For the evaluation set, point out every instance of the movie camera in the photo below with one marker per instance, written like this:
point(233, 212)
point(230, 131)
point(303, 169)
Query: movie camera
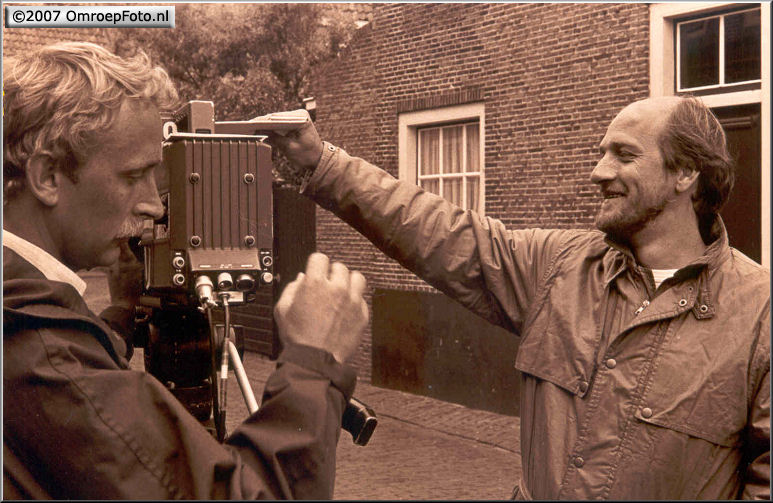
point(213, 249)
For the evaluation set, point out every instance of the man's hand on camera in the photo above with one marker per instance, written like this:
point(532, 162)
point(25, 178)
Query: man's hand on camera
point(301, 146)
point(124, 279)
point(324, 308)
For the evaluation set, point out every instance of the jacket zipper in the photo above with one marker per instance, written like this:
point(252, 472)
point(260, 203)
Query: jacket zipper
point(641, 308)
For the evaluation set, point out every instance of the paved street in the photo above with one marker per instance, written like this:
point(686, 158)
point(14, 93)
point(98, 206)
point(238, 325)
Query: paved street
point(422, 448)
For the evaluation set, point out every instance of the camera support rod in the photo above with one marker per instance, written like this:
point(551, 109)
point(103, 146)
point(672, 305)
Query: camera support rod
point(224, 359)
point(206, 294)
point(241, 378)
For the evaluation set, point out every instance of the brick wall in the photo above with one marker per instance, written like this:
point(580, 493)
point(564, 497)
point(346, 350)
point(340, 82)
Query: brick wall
point(18, 41)
point(551, 76)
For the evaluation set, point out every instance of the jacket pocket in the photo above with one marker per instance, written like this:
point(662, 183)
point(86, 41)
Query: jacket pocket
point(699, 384)
point(554, 357)
point(722, 434)
point(560, 344)
point(666, 457)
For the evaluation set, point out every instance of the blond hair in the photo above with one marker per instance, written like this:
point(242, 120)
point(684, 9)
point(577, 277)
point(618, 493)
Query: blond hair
point(58, 100)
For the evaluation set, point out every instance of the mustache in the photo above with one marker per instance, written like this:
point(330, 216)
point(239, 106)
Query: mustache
point(131, 227)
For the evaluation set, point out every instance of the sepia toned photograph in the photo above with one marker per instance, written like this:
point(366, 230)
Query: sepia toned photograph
point(386, 251)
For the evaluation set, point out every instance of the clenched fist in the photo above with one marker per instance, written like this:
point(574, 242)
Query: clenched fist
point(324, 308)
point(301, 146)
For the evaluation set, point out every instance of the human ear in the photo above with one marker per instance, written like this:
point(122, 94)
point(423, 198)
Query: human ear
point(686, 178)
point(43, 179)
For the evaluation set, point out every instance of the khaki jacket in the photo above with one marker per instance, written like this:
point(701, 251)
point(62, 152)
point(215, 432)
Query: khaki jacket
point(79, 424)
point(628, 392)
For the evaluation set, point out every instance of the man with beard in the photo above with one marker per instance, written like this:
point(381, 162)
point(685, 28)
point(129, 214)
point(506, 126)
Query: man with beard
point(82, 138)
point(644, 352)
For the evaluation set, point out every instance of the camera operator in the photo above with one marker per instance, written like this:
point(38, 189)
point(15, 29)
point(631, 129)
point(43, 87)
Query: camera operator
point(82, 138)
point(645, 347)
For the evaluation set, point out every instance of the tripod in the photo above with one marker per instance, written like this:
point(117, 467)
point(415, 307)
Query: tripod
point(185, 348)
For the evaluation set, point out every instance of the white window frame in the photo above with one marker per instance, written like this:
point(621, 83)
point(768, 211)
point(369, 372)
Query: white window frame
point(663, 17)
point(721, 55)
point(408, 124)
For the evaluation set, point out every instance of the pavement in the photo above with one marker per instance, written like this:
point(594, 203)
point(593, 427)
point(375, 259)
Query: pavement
point(422, 448)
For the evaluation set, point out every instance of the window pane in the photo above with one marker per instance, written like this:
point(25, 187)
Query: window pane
point(452, 149)
point(452, 190)
point(742, 47)
point(443, 171)
point(431, 185)
point(699, 53)
point(473, 147)
point(429, 143)
point(473, 191)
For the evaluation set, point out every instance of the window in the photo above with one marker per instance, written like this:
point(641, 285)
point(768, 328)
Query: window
point(718, 51)
point(448, 163)
point(441, 150)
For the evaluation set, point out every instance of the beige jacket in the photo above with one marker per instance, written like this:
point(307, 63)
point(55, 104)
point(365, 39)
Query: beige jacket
point(628, 392)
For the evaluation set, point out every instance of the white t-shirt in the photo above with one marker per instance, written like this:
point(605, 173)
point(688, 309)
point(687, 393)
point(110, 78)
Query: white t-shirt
point(660, 275)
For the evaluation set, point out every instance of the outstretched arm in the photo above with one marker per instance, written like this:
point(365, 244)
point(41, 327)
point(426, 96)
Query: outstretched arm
point(473, 259)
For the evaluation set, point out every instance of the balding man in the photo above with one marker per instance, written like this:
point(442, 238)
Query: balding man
point(644, 350)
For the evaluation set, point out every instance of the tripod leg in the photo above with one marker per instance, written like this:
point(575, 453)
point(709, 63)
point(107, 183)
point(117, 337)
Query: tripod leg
point(358, 418)
point(241, 378)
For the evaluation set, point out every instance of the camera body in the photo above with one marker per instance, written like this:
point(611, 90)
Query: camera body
point(212, 248)
point(217, 231)
point(217, 189)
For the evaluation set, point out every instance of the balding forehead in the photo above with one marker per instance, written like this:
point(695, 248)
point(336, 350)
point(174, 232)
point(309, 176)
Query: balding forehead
point(650, 114)
point(658, 104)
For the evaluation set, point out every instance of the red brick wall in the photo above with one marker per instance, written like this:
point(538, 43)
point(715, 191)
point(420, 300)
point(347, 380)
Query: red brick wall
point(551, 76)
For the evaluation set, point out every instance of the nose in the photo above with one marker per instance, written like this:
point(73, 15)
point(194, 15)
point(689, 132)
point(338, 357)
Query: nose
point(603, 172)
point(150, 205)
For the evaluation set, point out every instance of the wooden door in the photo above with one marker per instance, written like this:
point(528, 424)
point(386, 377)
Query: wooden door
point(742, 214)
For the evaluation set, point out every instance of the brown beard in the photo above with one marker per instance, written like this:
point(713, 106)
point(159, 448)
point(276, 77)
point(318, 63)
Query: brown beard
point(624, 227)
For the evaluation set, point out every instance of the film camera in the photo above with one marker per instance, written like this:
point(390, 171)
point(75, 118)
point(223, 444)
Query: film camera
point(213, 249)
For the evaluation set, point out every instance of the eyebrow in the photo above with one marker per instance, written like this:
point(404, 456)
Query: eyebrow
point(617, 146)
point(145, 167)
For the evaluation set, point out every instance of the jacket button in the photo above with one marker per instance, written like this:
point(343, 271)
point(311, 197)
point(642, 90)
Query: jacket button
point(611, 363)
point(583, 386)
point(646, 412)
point(578, 462)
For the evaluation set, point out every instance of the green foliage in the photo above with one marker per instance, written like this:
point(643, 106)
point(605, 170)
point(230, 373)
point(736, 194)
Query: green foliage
point(249, 59)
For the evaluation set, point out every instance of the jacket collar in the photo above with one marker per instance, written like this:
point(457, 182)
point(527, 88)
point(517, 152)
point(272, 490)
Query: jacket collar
point(32, 299)
point(619, 256)
point(24, 285)
point(43, 261)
